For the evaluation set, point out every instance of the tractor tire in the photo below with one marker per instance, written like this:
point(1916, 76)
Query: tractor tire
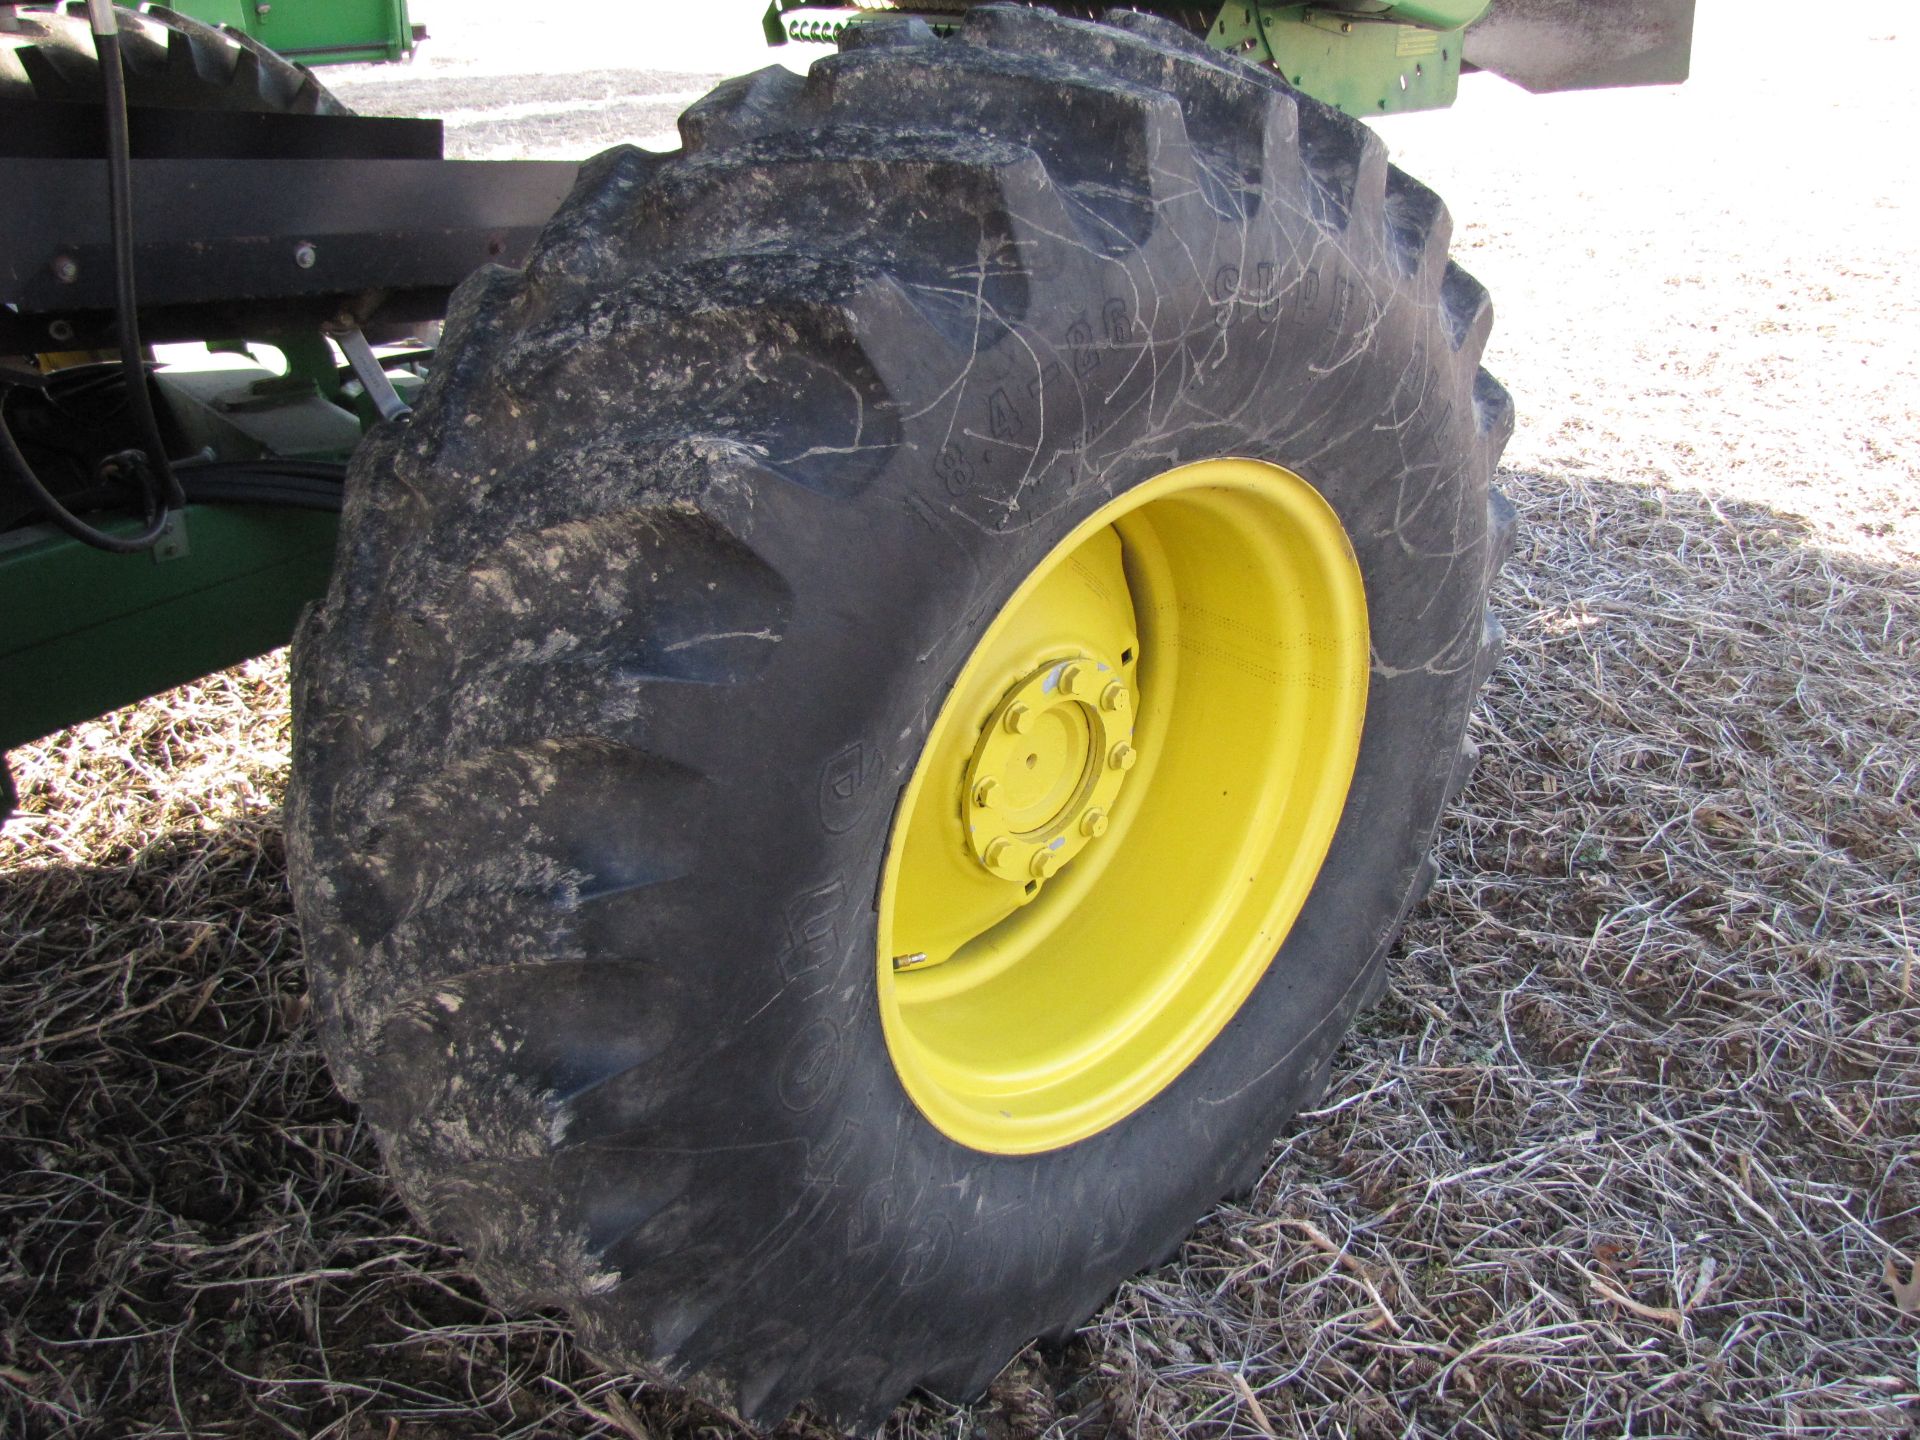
point(1051, 400)
point(170, 60)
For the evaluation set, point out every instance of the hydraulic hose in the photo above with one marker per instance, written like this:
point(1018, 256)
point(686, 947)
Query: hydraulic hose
point(152, 463)
point(299, 484)
point(106, 31)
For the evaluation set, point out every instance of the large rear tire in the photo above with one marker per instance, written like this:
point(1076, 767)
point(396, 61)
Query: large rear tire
point(641, 736)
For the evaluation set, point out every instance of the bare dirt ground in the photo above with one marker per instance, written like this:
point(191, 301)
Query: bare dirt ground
point(1631, 1148)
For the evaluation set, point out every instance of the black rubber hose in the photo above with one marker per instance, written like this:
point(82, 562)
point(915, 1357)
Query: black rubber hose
point(125, 306)
point(331, 470)
point(120, 211)
point(64, 519)
point(301, 485)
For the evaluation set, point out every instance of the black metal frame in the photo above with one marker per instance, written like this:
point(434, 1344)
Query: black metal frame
point(249, 225)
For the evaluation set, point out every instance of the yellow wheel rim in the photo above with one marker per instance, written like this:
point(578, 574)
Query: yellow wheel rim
point(1122, 806)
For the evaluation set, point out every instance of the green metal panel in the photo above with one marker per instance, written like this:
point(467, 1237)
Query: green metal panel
point(87, 632)
point(218, 12)
point(1360, 64)
point(318, 32)
point(242, 412)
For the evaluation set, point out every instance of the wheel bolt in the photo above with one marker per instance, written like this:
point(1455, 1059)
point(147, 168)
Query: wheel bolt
point(1019, 719)
point(995, 852)
point(1114, 697)
point(1122, 757)
point(1045, 865)
point(1093, 824)
point(985, 792)
point(1070, 679)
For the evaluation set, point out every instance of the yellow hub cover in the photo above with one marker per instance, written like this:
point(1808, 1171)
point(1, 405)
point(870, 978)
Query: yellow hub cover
point(1122, 806)
point(1049, 765)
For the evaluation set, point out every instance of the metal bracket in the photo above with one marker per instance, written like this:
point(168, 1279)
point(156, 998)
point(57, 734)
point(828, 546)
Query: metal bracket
point(172, 544)
point(366, 369)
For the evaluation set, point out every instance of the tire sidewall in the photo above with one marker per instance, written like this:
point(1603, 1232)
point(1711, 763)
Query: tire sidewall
point(896, 1209)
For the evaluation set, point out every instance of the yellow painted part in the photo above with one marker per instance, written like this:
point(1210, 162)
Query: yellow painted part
point(52, 360)
point(1023, 1014)
point(1045, 768)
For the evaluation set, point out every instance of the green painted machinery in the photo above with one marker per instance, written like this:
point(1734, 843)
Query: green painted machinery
point(316, 32)
point(1366, 59)
point(1377, 57)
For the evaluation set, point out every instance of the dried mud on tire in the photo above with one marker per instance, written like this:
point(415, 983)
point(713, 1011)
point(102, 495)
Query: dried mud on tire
point(638, 622)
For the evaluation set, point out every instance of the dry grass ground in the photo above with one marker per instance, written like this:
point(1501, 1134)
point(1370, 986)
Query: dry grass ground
point(1630, 1149)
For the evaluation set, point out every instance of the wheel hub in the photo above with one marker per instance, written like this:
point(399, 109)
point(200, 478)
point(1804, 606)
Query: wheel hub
point(1050, 762)
point(1121, 805)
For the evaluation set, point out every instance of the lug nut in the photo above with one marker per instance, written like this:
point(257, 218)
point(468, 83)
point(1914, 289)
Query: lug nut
point(1071, 678)
point(995, 852)
point(1122, 757)
point(1019, 719)
point(1114, 697)
point(1093, 824)
point(304, 255)
point(66, 269)
point(985, 792)
point(1045, 865)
